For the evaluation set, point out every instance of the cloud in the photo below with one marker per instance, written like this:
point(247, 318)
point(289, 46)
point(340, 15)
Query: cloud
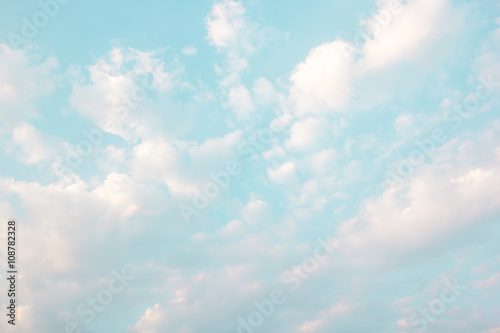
point(318, 178)
point(240, 100)
point(435, 205)
point(326, 315)
point(204, 295)
point(323, 161)
point(493, 330)
point(183, 166)
point(335, 73)
point(311, 133)
point(493, 281)
point(322, 82)
point(189, 50)
point(417, 27)
point(237, 38)
point(265, 94)
point(35, 146)
point(226, 24)
point(285, 173)
point(23, 80)
point(149, 320)
point(120, 89)
point(256, 212)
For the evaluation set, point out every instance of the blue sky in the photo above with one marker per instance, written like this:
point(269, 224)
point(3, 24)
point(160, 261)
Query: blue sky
point(252, 166)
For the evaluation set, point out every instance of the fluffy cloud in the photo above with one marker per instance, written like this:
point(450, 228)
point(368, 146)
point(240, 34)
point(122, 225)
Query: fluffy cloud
point(121, 84)
point(209, 296)
point(322, 82)
point(226, 24)
point(35, 146)
point(413, 30)
point(438, 202)
point(23, 79)
point(183, 165)
point(240, 100)
point(71, 215)
point(237, 38)
point(311, 133)
point(334, 73)
point(189, 50)
point(285, 173)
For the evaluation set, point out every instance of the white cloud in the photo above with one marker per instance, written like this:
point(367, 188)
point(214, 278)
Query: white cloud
point(36, 147)
point(487, 64)
point(212, 152)
point(265, 94)
point(335, 73)
point(184, 166)
point(436, 204)
point(494, 330)
point(237, 38)
point(161, 161)
point(283, 174)
point(324, 317)
point(189, 50)
point(226, 23)
point(311, 326)
point(116, 98)
point(411, 33)
point(211, 296)
point(256, 211)
point(23, 78)
point(231, 31)
point(323, 162)
point(120, 192)
point(493, 281)
point(404, 122)
point(311, 133)
point(149, 320)
point(240, 100)
point(322, 81)
point(113, 158)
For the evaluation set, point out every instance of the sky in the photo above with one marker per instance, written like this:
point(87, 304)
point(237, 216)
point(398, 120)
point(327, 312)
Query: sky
point(251, 166)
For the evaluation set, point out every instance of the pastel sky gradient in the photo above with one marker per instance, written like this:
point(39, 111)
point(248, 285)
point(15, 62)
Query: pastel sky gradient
point(385, 147)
